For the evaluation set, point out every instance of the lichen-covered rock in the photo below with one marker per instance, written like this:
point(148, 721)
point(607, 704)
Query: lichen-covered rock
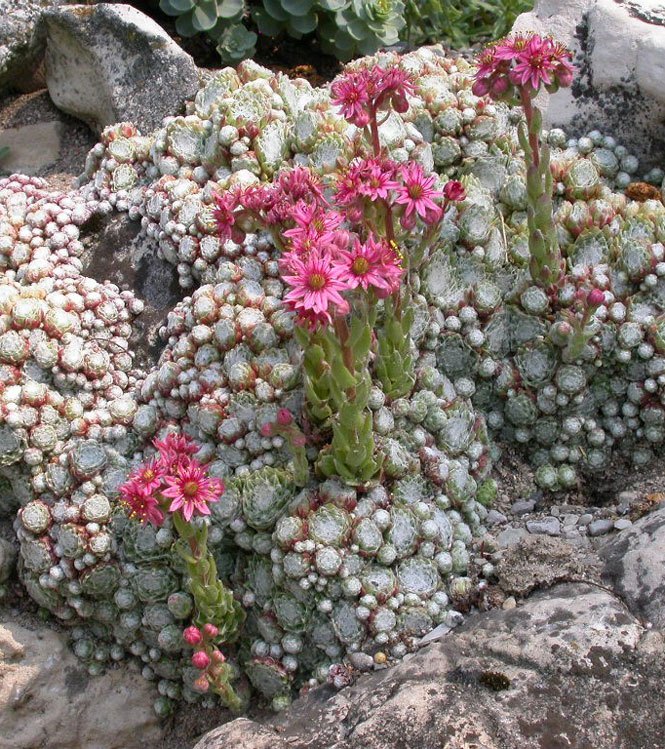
point(635, 564)
point(538, 674)
point(106, 63)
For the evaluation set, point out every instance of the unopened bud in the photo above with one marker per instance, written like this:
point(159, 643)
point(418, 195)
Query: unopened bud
point(200, 659)
point(192, 636)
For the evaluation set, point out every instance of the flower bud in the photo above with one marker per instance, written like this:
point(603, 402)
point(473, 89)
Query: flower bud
point(266, 429)
point(200, 659)
point(192, 636)
point(218, 656)
point(595, 298)
point(454, 190)
point(284, 417)
point(210, 630)
point(480, 87)
point(201, 684)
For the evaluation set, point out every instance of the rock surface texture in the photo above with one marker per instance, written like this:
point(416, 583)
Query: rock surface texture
point(22, 41)
point(571, 667)
point(619, 50)
point(108, 63)
point(48, 700)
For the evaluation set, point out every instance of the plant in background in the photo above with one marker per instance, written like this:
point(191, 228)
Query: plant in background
point(177, 485)
point(343, 259)
point(513, 70)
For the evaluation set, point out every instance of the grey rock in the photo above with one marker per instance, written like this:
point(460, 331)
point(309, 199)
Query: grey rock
point(569, 533)
point(362, 661)
point(491, 685)
point(555, 512)
point(108, 63)
point(547, 526)
point(628, 497)
point(601, 526)
point(7, 559)
point(585, 519)
point(619, 49)
point(22, 42)
point(523, 506)
point(436, 634)
point(48, 699)
point(622, 524)
point(570, 519)
point(509, 536)
point(23, 157)
point(635, 564)
point(494, 517)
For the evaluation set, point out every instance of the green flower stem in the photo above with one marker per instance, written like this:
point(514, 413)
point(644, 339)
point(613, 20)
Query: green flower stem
point(213, 601)
point(546, 264)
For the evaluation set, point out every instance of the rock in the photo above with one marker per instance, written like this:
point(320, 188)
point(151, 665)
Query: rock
point(362, 661)
point(547, 526)
point(509, 603)
point(523, 506)
point(622, 524)
point(539, 561)
point(635, 565)
point(509, 536)
point(550, 673)
point(107, 63)
point(585, 519)
point(570, 519)
point(436, 634)
point(22, 43)
point(620, 57)
point(7, 559)
point(601, 526)
point(23, 157)
point(494, 517)
point(48, 699)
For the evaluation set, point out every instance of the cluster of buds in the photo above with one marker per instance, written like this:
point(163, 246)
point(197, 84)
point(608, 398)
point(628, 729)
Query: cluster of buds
point(285, 427)
point(207, 657)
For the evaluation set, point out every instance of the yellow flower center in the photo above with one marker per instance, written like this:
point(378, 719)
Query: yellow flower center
point(317, 281)
point(190, 488)
point(360, 266)
point(148, 474)
point(416, 191)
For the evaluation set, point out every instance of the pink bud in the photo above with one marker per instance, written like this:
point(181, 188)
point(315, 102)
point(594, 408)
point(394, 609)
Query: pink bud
point(454, 190)
point(500, 86)
point(200, 659)
point(595, 298)
point(284, 417)
point(201, 684)
point(218, 656)
point(210, 630)
point(192, 636)
point(361, 119)
point(564, 77)
point(266, 429)
point(299, 440)
point(480, 87)
point(400, 104)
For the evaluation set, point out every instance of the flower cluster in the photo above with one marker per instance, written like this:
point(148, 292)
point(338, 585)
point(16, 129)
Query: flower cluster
point(173, 482)
point(362, 93)
point(207, 658)
point(524, 62)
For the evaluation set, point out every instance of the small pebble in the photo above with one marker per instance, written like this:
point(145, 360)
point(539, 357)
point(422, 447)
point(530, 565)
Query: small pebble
point(622, 524)
point(570, 519)
point(600, 527)
point(585, 519)
point(362, 661)
point(555, 512)
point(523, 506)
point(494, 517)
point(569, 533)
point(628, 496)
point(509, 536)
point(509, 603)
point(547, 526)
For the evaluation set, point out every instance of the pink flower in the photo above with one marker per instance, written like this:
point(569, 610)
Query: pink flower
point(191, 490)
point(487, 62)
point(224, 213)
point(534, 64)
point(141, 504)
point(417, 193)
point(316, 286)
point(454, 191)
point(192, 635)
point(371, 264)
point(511, 47)
point(149, 476)
point(394, 84)
point(350, 93)
point(210, 630)
point(173, 448)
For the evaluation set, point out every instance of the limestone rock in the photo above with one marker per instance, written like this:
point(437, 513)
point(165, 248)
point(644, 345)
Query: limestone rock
point(635, 564)
point(108, 63)
point(551, 673)
point(619, 48)
point(48, 699)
